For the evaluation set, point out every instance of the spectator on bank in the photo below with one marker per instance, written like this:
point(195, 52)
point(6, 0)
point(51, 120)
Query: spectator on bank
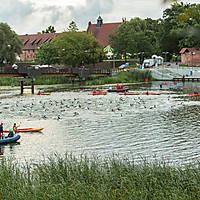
point(1, 131)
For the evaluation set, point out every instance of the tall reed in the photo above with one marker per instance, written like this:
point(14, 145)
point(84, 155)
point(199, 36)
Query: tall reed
point(123, 77)
point(69, 177)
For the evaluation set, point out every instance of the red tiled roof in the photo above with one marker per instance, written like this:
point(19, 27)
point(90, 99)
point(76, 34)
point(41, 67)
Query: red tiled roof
point(183, 50)
point(34, 40)
point(102, 33)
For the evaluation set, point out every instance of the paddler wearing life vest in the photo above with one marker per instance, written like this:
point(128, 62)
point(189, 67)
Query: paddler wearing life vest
point(15, 127)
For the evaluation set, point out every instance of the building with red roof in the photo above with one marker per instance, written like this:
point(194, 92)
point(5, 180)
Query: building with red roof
point(190, 56)
point(32, 42)
point(102, 31)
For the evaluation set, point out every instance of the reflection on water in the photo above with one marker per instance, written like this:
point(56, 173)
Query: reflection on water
point(165, 126)
point(1, 150)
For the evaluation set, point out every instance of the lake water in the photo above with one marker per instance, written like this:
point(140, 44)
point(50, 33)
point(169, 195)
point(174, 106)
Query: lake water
point(162, 126)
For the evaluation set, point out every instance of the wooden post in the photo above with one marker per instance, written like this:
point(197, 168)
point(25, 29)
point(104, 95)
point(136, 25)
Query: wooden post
point(32, 86)
point(22, 87)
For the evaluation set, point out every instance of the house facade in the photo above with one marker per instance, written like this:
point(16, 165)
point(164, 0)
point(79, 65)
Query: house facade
point(32, 42)
point(190, 56)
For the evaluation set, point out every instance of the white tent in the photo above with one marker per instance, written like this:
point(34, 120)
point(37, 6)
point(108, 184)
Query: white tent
point(159, 59)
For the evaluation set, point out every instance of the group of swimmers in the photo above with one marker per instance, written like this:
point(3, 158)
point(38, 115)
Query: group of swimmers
point(11, 131)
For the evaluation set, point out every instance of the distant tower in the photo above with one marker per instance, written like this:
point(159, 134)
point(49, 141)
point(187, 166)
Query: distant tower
point(99, 22)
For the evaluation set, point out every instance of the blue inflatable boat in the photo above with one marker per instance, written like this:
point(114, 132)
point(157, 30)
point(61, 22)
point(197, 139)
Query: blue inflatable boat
point(7, 140)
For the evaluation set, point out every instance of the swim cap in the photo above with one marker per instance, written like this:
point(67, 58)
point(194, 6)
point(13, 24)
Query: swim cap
point(10, 130)
point(1, 123)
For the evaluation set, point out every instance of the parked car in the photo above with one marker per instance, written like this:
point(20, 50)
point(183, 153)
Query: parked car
point(126, 65)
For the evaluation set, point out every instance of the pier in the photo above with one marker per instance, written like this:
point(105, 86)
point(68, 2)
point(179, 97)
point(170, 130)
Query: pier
point(187, 79)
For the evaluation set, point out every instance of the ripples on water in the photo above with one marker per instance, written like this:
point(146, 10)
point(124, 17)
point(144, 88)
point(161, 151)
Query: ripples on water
point(165, 126)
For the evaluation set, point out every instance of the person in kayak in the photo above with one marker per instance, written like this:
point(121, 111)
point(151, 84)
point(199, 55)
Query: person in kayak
point(1, 131)
point(10, 134)
point(39, 92)
point(15, 127)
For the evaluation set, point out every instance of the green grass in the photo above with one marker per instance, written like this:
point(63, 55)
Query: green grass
point(43, 80)
point(181, 65)
point(46, 80)
point(133, 76)
point(9, 81)
point(123, 77)
point(112, 178)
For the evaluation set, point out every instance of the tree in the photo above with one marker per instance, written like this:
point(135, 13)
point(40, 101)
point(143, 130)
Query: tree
point(78, 48)
point(72, 27)
point(134, 37)
point(47, 54)
point(10, 45)
point(72, 48)
point(50, 29)
point(189, 22)
point(181, 27)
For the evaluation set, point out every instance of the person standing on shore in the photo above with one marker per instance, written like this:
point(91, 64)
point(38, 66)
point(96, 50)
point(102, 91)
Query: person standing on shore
point(1, 131)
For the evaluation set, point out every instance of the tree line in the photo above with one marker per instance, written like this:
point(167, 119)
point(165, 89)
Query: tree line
point(179, 27)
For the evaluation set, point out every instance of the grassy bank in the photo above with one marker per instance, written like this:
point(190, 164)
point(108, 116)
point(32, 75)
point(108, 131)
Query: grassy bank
point(43, 80)
point(113, 178)
point(123, 77)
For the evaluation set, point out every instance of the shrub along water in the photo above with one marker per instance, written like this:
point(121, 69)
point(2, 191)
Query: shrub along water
point(68, 177)
point(123, 77)
point(43, 80)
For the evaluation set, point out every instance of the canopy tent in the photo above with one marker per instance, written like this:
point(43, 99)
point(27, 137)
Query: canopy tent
point(108, 49)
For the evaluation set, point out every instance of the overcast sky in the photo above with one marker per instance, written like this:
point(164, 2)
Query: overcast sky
point(32, 16)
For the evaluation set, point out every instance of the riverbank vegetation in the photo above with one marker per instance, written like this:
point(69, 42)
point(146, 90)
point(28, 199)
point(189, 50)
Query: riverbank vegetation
point(133, 76)
point(68, 177)
point(43, 80)
point(123, 77)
